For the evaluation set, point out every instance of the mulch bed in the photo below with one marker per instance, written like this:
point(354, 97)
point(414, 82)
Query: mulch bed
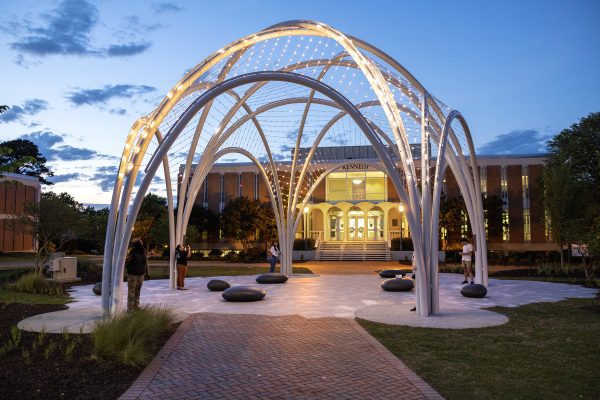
point(55, 366)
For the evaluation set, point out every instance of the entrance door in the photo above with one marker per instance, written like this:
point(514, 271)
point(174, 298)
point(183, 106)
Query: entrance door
point(372, 223)
point(356, 228)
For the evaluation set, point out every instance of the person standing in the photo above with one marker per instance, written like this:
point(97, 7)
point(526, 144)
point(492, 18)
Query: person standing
point(136, 265)
point(467, 257)
point(181, 256)
point(274, 254)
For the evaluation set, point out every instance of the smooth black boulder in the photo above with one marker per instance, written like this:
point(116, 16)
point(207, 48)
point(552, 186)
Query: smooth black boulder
point(397, 285)
point(217, 285)
point(97, 289)
point(244, 294)
point(391, 273)
point(474, 290)
point(272, 277)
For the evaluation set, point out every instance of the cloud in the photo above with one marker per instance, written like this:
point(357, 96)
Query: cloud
point(166, 7)
point(67, 30)
point(51, 146)
point(105, 177)
point(519, 141)
point(66, 177)
point(121, 50)
point(102, 96)
point(29, 107)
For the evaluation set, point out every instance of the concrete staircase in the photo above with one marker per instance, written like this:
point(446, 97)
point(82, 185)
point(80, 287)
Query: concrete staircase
point(353, 251)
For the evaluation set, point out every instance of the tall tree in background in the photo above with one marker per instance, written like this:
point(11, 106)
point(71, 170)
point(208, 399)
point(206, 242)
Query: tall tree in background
point(53, 222)
point(571, 182)
point(206, 223)
point(151, 224)
point(23, 157)
point(239, 219)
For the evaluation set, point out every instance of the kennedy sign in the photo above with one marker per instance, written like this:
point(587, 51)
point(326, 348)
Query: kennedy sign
point(355, 166)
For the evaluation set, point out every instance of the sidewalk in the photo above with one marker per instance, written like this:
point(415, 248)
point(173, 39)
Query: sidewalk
point(214, 356)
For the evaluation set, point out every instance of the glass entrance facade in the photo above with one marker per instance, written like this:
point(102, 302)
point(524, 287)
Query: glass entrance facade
point(356, 186)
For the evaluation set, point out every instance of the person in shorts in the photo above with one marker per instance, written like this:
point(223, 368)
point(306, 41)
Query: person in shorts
point(466, 260)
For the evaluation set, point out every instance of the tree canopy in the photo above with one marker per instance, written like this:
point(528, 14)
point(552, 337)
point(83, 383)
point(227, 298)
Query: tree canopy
point(571, 183)
point(23, 157)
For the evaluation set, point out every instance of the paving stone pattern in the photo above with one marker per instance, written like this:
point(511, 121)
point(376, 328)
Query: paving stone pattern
point(217, 356)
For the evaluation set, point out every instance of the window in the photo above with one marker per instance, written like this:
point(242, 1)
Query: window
point(483, 180)
point(356, 186)
point(526, 204)
point(504, 196)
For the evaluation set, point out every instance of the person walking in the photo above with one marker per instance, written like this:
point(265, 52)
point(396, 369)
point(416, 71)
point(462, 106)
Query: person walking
point(466, 260)
point(181, 257)
point(136, 265)
point(274, 254)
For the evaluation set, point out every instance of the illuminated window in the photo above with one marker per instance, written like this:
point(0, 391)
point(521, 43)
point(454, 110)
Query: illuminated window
point(547, 227)
point(526, 204)
point(464, 226)
point(504, 196)
point(356, 186)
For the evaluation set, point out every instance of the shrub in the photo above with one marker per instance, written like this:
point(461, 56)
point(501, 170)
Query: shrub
point(215, 253)
point(89, 271)
point(36, 284)
point(133, 338)
point(407, 244)
point(304, 244)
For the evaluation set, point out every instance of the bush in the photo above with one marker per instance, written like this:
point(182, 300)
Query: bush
point(407, 244)
point(89, 271)
point(304, 244)
point(36, 284)
point(215, 253)
point(133, 338)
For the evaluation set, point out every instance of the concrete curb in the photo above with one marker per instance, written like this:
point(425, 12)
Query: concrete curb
point(142, 382)
point(428, 391)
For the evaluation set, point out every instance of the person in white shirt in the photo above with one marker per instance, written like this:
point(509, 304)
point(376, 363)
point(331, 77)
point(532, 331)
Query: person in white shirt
point(274, 254)
point(467, 256)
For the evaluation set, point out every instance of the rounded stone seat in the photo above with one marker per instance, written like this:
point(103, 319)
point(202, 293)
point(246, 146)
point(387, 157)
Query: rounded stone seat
point(474, 290)
point(272, 277)
point(243, 294)
point(397, 285)
point(391, 273)
point(97, 289)
point(217, 285)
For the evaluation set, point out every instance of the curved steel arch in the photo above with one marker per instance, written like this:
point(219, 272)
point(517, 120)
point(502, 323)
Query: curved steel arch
point(417, 202)
point(196, 106)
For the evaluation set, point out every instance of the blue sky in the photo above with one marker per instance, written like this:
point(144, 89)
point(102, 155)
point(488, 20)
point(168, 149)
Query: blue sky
point(77, 74)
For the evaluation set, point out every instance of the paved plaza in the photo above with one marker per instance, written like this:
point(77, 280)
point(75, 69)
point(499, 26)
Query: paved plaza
point(321, 296)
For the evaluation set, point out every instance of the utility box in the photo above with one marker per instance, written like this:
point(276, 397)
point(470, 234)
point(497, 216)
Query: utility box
point(63, 268)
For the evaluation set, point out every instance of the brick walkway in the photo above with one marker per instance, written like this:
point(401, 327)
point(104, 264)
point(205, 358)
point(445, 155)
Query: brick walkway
point(218, 356)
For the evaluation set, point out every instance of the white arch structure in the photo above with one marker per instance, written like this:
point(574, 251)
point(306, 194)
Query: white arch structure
point(221, 107)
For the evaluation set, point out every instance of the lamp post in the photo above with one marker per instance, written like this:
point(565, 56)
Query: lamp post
point(401, 209)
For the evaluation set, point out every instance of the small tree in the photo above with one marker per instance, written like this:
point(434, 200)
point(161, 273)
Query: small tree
point(239, 219)
point(52, 222)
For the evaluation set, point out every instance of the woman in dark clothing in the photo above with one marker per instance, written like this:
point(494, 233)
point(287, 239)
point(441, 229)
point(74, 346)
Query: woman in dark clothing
point(137, 266)
point(181, 256)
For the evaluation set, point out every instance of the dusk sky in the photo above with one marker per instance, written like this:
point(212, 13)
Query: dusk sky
point(77, 74)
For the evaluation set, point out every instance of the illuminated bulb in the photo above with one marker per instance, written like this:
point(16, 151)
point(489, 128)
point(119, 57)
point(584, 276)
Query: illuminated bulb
point(129, 167)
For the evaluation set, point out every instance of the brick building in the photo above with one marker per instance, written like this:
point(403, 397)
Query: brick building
point(357, 202)
point(15, 192)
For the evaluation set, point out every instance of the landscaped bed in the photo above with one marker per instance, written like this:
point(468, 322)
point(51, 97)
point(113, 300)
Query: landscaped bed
point(54, 366)
point(545, 351)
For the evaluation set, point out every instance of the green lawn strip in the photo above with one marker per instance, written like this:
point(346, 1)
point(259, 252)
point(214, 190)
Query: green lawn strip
point(8, 296)
point(545, 351)
point(162, 272)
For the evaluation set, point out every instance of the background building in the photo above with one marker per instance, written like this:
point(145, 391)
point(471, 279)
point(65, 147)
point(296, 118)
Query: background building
point(15, 192)
point(357, 203)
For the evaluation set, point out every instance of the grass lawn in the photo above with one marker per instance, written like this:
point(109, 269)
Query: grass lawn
point(162, 272)
point(545, 351)
point(10, 297)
